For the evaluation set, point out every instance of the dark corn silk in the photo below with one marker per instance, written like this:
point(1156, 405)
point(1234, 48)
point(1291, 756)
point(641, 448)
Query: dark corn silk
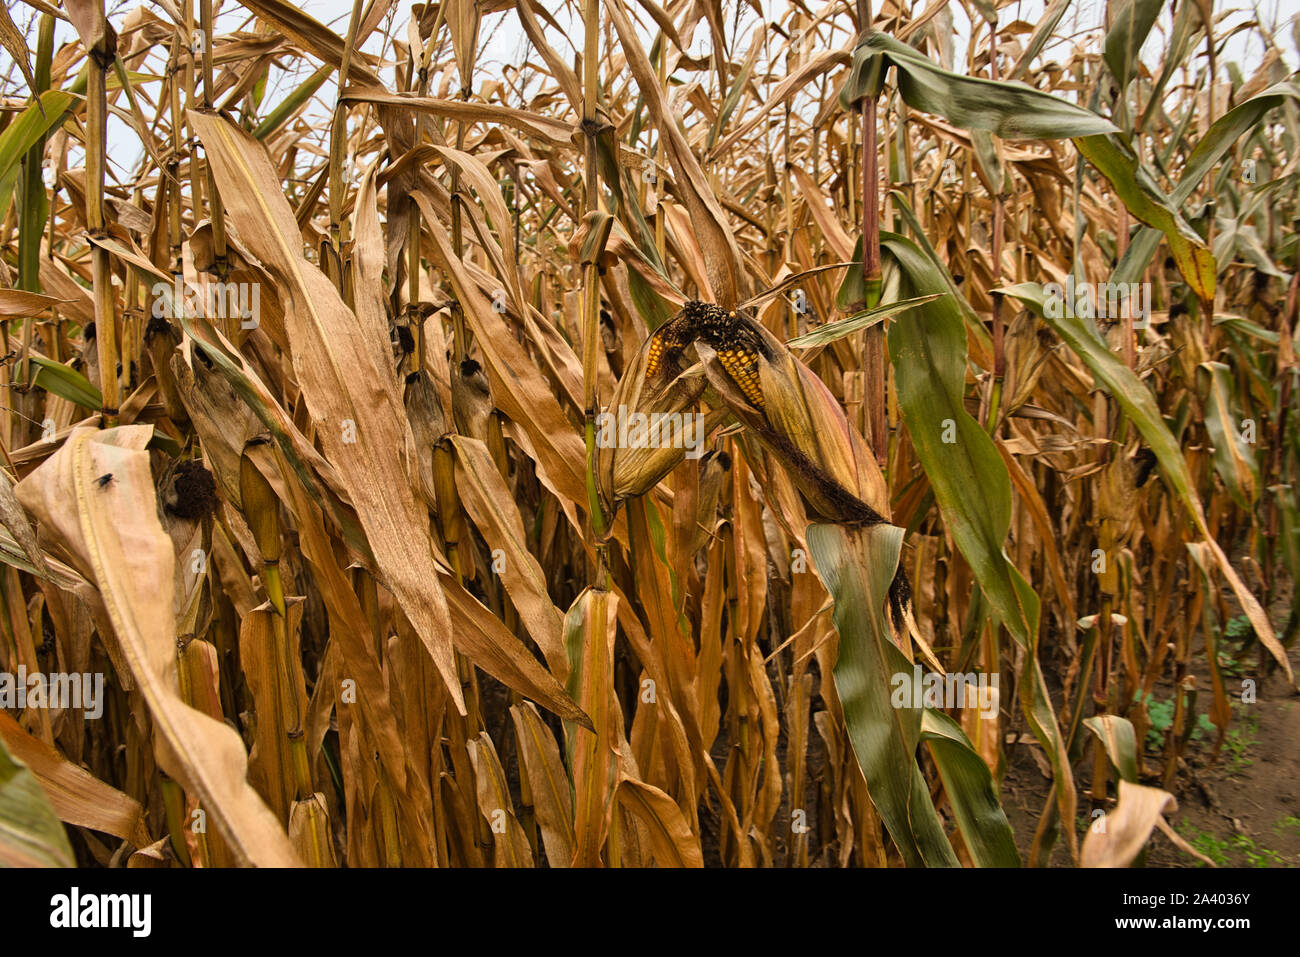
point(738, 344)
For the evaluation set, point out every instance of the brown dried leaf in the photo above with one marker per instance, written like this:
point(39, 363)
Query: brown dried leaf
point(96, 495)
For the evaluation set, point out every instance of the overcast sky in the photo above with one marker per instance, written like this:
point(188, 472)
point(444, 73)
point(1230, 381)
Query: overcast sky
point(503, 41)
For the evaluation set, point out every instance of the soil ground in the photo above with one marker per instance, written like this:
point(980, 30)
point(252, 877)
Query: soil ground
point(1242, 810)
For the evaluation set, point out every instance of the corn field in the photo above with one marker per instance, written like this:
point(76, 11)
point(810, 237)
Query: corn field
point(707, 434)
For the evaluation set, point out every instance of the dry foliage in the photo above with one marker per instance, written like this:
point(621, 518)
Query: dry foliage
point(304, 447)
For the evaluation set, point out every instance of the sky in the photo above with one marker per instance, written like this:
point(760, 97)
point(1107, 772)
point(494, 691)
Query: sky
point(503, 41)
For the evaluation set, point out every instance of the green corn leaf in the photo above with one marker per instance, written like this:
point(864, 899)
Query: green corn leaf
point(857, 565)
point(66, 382)
point(1011, 110)
point(863, 320)
point(23, 133)
point(1143, 198)
point(1042, 33)
point(966, 472)
point(1132, 23)
point(968, 475)
point(971, 792)
point(290, 105)
point(1218, 140)
point(1226, 130)
point(1116, 736)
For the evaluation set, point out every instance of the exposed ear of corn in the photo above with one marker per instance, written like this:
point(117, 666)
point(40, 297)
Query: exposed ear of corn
point(569, 463)
point(654, 384)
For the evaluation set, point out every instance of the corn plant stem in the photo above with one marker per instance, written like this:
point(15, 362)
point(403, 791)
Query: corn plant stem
point(999, 348)
point(787, 201)
point(174, 808)
point(263, 509)
point(337, 156)
point(1126, 315)
point(221, 262)
point(460, 334)
point(96, 157)
point(32, 185)
point(413, 226)
point(21, 641)
point(873, 363)
point(874, 358)
point(1207, 305)
point(413, 321)
point(451, 527)
point(851, 180)
point(590, 274)
point(317, 838)
point(661, 241)
point(198, 183)
point(172, 182)
point(999, 325)
point(460, 347)
point(286, 663)
point(185, 681)
point(337, 184)
point(514, 205)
